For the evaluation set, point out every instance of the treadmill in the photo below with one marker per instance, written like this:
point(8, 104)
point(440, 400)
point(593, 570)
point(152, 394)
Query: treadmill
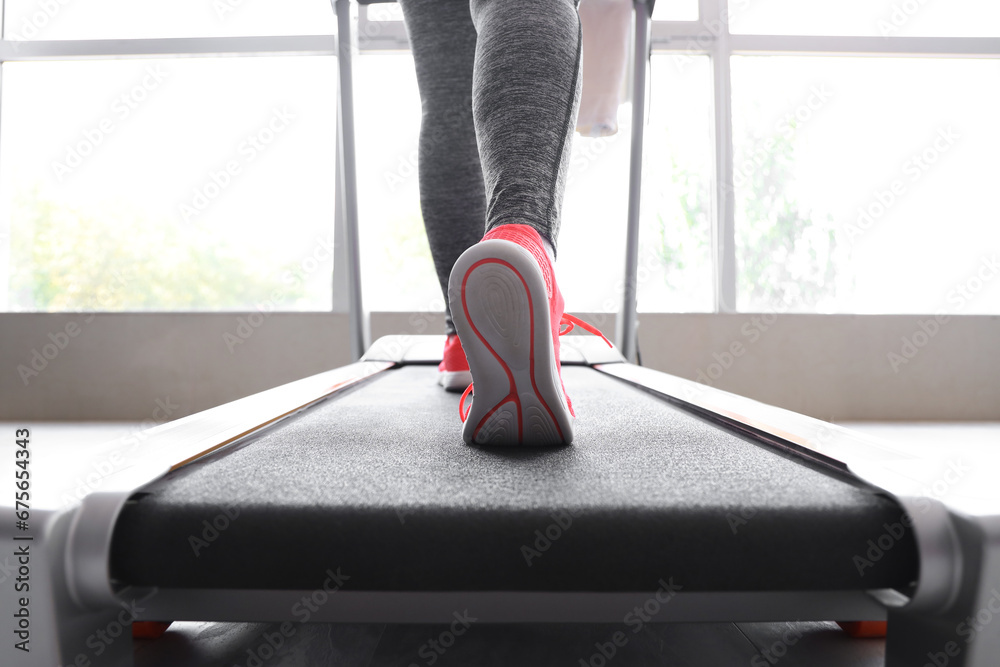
point(350, 497)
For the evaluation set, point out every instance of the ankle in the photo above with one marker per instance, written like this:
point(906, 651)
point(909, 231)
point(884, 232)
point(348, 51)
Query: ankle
point(549, 249)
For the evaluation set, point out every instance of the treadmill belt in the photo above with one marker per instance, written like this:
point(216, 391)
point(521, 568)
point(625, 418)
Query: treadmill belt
point(377, 482)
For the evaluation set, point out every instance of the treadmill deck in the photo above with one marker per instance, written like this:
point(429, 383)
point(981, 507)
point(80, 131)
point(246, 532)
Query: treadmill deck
point(376, 483)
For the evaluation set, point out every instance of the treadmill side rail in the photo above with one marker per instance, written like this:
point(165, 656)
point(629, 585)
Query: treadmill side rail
point(176, 444)
point(76, 614)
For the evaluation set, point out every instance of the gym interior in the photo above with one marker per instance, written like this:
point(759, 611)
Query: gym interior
point(223, 440)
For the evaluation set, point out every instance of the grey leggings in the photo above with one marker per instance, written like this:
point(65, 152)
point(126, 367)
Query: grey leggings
point(499, 87)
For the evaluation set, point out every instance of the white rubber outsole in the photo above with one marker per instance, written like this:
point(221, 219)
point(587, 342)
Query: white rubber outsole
point(504, 324)
point(454, 380)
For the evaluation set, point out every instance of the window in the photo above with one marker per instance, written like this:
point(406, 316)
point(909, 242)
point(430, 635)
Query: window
point(864, 185)
point(31, 20)
point(675, 10)
point(180, 184)
point(954, 18)
point(134, 182)
point(397, 271)
point(396, 268)
point(853, 155)
point(675, 262)
point(800, 155)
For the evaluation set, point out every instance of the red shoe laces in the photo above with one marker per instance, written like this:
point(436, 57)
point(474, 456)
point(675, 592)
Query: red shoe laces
point(572, 321)
point(568, 321)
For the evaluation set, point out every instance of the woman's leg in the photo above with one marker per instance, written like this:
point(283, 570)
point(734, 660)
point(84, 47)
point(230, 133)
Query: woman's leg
point(525, 96)
point(507, 306)
point(520, 67)
point(452, 195)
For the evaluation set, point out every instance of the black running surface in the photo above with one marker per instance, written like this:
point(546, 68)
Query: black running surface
point(379, 484)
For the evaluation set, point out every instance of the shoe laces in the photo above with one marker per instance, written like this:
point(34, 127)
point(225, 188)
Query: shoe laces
point(572, 321)
point(568, 321)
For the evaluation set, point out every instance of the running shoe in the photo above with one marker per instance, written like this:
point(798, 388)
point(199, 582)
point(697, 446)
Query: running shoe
point(453, 371)
point(509, 314)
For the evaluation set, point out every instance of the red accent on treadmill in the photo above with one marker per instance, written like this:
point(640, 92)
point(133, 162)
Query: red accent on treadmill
point(864, 629)
point(149, 629)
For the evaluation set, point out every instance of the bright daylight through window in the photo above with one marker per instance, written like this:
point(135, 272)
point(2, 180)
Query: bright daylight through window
point(860, 182)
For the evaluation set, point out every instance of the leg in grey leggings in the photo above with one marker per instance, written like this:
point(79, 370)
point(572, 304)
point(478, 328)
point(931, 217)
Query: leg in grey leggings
point(499, 85)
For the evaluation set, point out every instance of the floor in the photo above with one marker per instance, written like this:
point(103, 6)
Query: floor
point(75, 454)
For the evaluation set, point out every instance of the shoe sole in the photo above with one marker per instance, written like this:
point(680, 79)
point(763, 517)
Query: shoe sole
point(454, 380)
point(501, 310)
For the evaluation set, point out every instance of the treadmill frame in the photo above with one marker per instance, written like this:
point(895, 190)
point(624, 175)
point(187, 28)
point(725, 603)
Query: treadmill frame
point(74, 598)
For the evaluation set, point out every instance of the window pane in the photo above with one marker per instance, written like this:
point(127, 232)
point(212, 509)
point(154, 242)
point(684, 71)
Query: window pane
point(183, 184)
point(591, 260)
point(384, 11)
point(866, 184)
point(396, 267)
point(954, 18)
point(398, 273)
point(675, 272)
point(675, 10)
point(30, 20)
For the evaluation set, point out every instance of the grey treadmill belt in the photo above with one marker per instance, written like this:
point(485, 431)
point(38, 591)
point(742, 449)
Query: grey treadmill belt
point(378, 482)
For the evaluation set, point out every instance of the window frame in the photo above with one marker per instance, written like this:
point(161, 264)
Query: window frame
point(194, 47)
point(709, 35)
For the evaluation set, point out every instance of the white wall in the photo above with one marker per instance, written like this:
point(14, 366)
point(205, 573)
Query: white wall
point(130, 366)
point(837, 367)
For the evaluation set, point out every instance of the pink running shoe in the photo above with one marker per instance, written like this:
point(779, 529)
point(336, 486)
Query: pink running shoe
point(453, 371)
point(509, 314)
